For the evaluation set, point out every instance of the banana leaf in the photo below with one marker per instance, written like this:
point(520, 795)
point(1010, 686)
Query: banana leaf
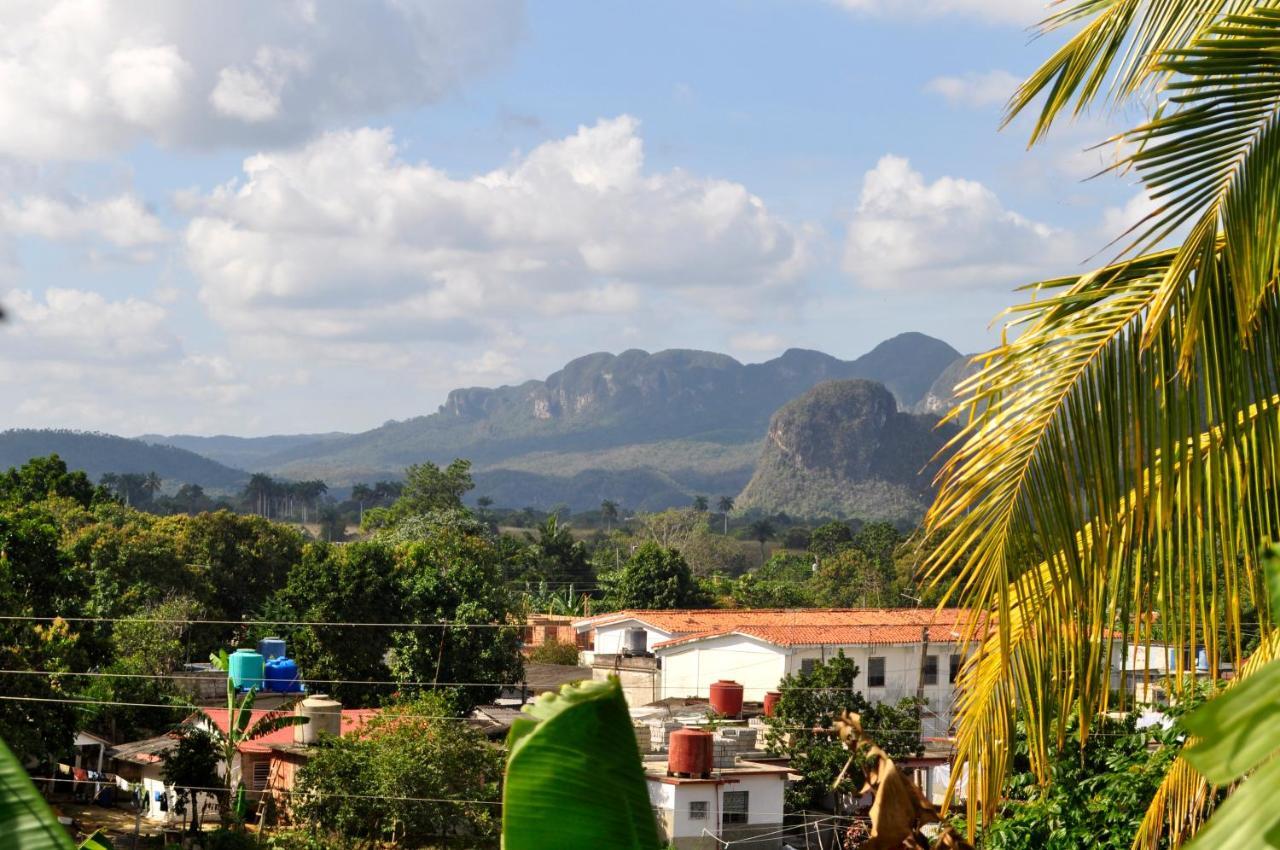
point(26, 820)
point(574, 775)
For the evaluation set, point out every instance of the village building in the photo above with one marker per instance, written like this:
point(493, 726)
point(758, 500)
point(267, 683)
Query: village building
point(900, 652)
point(743, 802)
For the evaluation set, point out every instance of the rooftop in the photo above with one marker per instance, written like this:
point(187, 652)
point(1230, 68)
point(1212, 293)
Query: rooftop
point(798, 626)
point(352, 719)
point(656, 771)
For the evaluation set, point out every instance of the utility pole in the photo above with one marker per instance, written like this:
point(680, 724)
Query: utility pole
point(924, 653)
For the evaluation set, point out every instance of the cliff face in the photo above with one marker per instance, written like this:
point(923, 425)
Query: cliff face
point(941, 396)
point(844, 449)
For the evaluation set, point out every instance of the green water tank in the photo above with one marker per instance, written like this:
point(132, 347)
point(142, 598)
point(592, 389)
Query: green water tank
point(246, 669)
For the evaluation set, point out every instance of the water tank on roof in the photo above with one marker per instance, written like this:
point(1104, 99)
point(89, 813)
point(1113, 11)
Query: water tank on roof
point(771, 702)
point(271, 647)
point(1202, 661)
point(635, 642)
point(324, 716)
point(282, 676)
point(246, 669)
point(690, 753)
point(726, 698)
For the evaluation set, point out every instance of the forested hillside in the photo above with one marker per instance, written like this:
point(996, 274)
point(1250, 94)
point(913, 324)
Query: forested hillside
point(98, 454)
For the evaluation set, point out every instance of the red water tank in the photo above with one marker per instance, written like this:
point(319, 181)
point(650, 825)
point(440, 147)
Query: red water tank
point(771, 703)
point(726, 698)
point(689, 753)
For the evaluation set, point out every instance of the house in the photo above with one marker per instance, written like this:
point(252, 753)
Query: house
point(739, 803)
point(901, 652)
point(141, 763)
point(270, 762)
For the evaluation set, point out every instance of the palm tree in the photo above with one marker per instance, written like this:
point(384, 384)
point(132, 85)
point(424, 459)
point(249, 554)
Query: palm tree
point(762, 531)
point(151, 484)
point(362, 493)
point(609, 512)
point(700, 504)
point(242, 726)
point(1120, 450)
point(259, 490)
point(725, 505)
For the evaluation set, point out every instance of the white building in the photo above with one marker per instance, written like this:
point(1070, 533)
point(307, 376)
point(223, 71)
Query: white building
point(900, 652)
point(743, 802)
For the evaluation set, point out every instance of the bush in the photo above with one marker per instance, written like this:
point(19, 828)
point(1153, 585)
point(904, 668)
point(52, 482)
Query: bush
point(554, 652)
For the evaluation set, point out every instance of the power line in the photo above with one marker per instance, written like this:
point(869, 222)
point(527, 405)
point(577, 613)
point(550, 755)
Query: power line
point(443, 624)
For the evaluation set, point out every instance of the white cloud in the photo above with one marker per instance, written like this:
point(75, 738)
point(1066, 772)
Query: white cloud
point(83, 78)
point(756, 342)
point(344, 240)
point(952, 233)
point(69, 324)
point(992, 88)
point(1020, 12)
point(121, 221)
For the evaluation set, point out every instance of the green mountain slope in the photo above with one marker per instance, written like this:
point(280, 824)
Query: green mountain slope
point(605, 402)
point(99, 453)
point(844, 449)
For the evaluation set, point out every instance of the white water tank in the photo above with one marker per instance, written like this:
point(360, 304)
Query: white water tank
point(324, 716)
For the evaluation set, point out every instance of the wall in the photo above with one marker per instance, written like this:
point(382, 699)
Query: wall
point(609, 639)
point(639, 676)
point(689, 669)
point(764, 810)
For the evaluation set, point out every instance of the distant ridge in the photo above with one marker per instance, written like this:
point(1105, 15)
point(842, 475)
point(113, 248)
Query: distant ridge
point(97, 453)
point(648, 430)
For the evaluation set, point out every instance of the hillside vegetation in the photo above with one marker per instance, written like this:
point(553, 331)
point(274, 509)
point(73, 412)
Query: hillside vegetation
point(844, 449)
point(97, 454)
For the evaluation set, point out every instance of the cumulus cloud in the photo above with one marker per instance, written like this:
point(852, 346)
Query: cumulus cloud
point(992, 88)
point(71, 357)
point(122, 221)
point(757, 342)
point(82, 78)
point(72, 324)
point(908, 234)
point(1019, 12)
point(344, 240)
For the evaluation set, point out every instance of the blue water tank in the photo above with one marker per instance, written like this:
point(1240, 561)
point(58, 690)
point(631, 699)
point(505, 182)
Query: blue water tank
point(282, 676)
point(271, 647)
point(1202, 660)
point(246, 669)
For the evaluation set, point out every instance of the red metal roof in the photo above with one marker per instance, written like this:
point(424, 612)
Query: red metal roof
point(352, 718)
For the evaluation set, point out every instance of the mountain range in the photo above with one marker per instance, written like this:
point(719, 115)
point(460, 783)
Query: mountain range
point(647, 430)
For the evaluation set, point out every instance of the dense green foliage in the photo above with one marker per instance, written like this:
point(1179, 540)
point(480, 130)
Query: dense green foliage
point(811, 701)
point(413, 754)
point(844, 448)
point(654, 578)
point(1098, 794)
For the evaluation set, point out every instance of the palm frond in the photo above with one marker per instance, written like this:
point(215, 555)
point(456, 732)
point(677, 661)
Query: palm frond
point(1214, 159)
point(1115, 53)
point(1184, 799)
point(1092, 483)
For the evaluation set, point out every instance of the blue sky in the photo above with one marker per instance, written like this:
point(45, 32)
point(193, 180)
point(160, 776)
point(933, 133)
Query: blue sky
point(321, 215)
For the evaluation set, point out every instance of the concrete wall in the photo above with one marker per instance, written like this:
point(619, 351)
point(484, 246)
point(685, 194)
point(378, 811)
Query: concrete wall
point(689, 669)
point(764, 808)
point(639, 676)
point(611, 638)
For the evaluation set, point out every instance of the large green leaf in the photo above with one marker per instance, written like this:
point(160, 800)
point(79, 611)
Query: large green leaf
point(1237, 730)
point(97, 841)
point(574, 776)
point(1249, 819)
point(26, 820)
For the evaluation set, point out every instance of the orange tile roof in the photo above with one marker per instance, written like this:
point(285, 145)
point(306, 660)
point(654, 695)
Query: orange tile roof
point(796, 626)
point(352, 718)
point(829, 635)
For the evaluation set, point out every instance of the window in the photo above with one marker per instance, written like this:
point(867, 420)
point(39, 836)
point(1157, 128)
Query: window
point(956, 661)
point(698, 810)
point(807, 665)
point(261, 770)
point(735, 807)
point(931, 669)
point(875, 671)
